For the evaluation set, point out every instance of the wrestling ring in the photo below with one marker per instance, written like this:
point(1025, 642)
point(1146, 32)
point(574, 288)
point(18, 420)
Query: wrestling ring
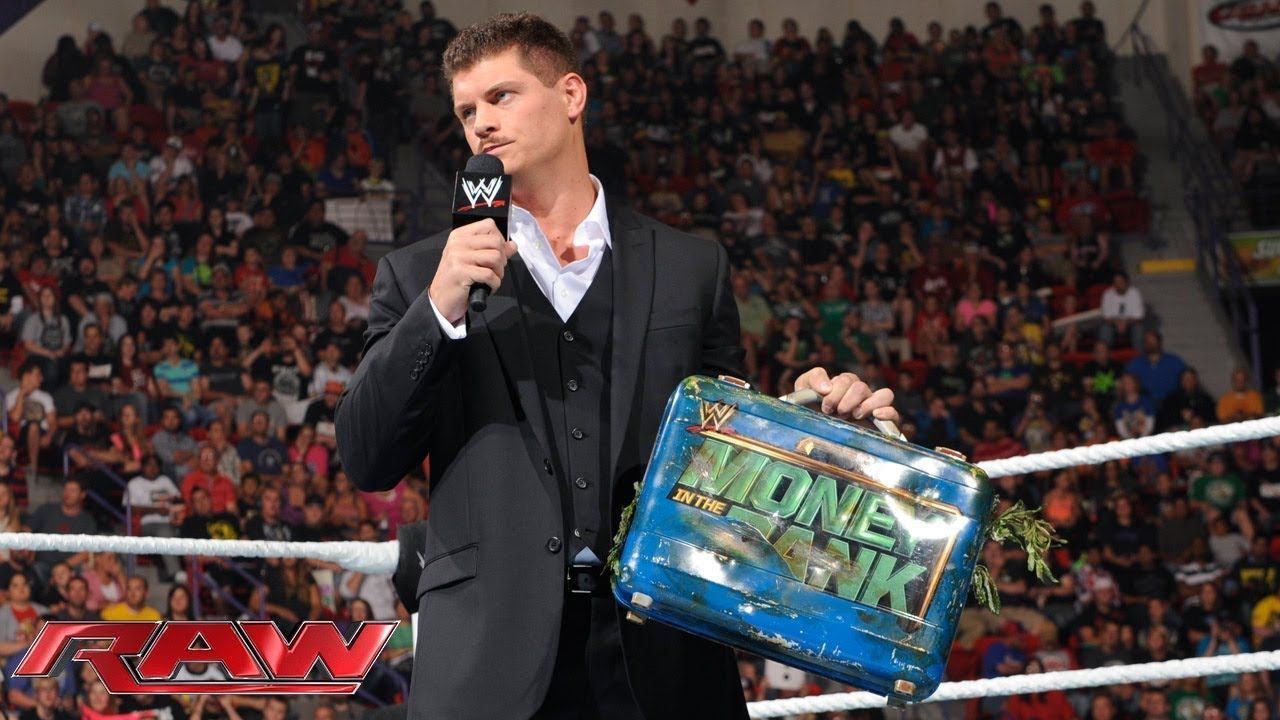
point(380, 558)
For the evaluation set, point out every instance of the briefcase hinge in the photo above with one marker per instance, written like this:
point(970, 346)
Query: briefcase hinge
point(735, 381)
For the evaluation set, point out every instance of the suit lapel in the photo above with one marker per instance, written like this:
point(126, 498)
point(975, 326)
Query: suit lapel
point(503, 321)
point(633, 275)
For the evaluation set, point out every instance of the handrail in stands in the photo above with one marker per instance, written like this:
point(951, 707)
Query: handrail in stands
point(1211, 194)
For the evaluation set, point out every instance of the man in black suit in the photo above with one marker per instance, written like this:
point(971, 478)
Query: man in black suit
point(539, 413)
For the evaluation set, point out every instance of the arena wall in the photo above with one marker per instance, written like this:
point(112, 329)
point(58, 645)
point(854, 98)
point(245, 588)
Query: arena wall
point(25, 47)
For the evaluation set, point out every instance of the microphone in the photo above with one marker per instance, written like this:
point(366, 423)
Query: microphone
point(482, 191)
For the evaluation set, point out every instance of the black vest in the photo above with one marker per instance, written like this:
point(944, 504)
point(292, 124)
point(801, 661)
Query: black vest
point(571, 361)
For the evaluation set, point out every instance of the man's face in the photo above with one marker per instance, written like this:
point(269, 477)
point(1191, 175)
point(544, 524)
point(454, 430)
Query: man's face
point(1240, 380)
point(270, 505)
point(259, 424)
point(19, 588)
point(1151, 343)
point(47, 694)
point(72, 494)
point(275, 710)
point(136, 592)
point(200, 500)
point(507, 111)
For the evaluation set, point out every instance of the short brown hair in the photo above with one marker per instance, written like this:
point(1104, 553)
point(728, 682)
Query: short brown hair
point(546, 50)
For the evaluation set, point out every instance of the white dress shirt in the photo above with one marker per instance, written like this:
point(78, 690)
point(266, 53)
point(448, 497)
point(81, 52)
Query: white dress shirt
point(563, 285)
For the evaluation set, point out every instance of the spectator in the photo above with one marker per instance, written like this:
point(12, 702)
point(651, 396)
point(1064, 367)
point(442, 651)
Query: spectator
point(1157, 371)
point(134, 606)
point(1123, 312)
point(76, 393)
point(222, 493)
point(262, 400)
point(1241, 402)
point(1135, 414)
point(1218, 488)
point(152, 497)
point(268, 524)
point(176, 381)
point(106, 581)
point(46, 334)
point(64, 517)
point(170, 165)
point(33, 412)
point(262, 453)
point(175, 448)
point(49, 696)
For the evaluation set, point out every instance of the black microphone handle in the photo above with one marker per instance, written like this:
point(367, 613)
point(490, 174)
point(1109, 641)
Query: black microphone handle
point(479, 299)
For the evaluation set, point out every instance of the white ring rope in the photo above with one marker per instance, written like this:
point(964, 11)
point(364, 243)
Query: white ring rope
point(1036, 682)
point(1136, 447)
point(379, 558)
point(372, 558)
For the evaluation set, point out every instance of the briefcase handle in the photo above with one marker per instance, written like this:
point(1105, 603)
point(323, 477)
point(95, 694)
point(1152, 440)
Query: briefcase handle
point(809, 397)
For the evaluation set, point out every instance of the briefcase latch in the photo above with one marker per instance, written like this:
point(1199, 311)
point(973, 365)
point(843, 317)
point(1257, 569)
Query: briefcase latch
point(735, 381)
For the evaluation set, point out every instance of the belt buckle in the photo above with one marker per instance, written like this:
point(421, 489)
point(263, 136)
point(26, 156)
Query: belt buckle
point(583, 579)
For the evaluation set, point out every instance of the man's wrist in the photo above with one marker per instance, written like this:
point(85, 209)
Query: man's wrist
point(451, 330)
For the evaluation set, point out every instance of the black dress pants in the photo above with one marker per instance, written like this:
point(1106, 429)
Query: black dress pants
point(590, 677)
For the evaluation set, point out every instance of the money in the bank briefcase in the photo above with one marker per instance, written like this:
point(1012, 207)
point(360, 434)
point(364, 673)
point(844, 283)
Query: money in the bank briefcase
point(788, 533)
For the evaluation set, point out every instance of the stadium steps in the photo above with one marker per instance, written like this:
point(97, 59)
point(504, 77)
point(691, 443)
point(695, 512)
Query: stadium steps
point(1163, 268)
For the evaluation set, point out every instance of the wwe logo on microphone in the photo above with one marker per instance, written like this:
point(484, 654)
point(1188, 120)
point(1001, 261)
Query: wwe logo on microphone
point(481, 191)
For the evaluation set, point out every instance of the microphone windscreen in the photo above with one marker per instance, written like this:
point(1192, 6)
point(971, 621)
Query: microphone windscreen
point(484, 164)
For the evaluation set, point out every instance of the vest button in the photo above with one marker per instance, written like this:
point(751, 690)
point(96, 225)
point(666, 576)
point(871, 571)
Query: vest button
point(581, 483)
point(546, 465)
point(553, 545)
point(568, 336)
point(577, 434)
point(572, 385)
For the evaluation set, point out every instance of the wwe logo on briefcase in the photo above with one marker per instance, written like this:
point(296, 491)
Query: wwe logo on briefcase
point(482, 191)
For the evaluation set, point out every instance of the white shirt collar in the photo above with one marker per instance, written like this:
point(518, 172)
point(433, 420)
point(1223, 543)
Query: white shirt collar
point(595, 226)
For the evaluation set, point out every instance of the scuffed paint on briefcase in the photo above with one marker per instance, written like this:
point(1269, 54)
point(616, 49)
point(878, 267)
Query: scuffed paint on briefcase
point(785, 532)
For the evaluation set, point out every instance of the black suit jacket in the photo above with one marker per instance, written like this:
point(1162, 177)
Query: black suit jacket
point(491, 594)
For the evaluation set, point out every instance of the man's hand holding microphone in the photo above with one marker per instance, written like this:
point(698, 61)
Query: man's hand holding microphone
point(476, 253)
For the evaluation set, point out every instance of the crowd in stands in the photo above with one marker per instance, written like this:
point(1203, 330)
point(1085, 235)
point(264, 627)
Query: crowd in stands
point(941, 212)
point(1239, 103)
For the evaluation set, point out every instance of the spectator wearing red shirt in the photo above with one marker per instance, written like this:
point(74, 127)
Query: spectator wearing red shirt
point(350, 257)
point(899, 40)
point(1111, 152)
point(1082, 200)
point(222, 492)
point(1210, 77)
point(1032, 706)
point(995, 444)
point(1000, 56)
point(356, 143)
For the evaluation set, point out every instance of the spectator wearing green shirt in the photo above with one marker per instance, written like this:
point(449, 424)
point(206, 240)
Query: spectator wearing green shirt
point(1218, 488)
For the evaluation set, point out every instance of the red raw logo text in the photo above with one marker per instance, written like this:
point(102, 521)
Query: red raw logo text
point(142, 658)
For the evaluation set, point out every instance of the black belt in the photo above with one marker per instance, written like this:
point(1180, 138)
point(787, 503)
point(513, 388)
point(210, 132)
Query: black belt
point(589, 580)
